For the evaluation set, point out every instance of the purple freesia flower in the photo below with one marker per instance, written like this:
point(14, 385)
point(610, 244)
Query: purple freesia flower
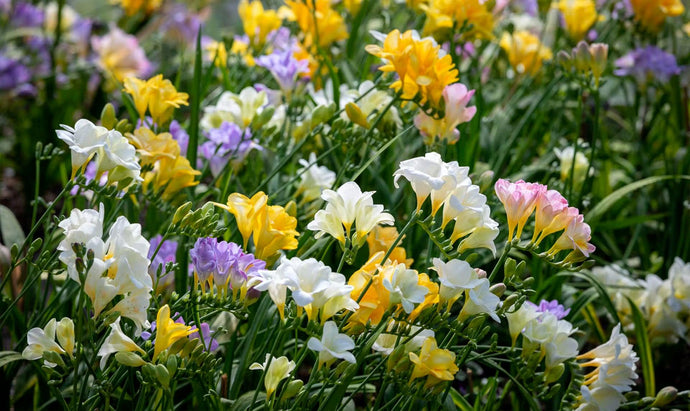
point(27, 15)
point(648, 62)
point(225, 262)
point(13, 74)
point(180, 24)
point(224, 143)
point(552, 307)
point(165, 255)
point(284, 67)
point(180, 134)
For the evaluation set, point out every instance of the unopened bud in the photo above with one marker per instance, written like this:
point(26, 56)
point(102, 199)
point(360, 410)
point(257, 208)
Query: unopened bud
point(498, 289)
point(129, 359)
point(582, 57)
point(162, 375)
point(263, 118)
point(480, 273)
point(665, 396)
point(320, 115)
point(554, 373)
point(108, 119)
point(599, 53)
point(292, 389)
point(181, 212)
point(354, 113)
point(291, 208)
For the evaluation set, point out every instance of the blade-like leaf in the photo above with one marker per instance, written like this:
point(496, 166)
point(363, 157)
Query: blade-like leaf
point(10, 229)
point(644, 350)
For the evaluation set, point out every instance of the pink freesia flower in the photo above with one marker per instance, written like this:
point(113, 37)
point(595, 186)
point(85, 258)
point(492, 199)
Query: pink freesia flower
point(575, 237)
point(552, 215)
point(519, 200)
point(456, 97)
point(120, 55)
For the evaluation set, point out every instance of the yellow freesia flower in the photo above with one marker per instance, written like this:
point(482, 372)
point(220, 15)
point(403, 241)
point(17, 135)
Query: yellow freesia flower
point(320, 23)
point(579, 16)
point(443, 15)
point(217, 53)
point(168, 331)
point(376, 300)
point(158, 95)
point(435, 363)
point(152, 146)
point(258, 22)
point(131, 7)
point(270, 227)
point(422, 72)
point(651, 14)
point(430, 299)
point(381, 238)
point(353, 6)
point(242, 49)
point(173, 173)
point(525, 52)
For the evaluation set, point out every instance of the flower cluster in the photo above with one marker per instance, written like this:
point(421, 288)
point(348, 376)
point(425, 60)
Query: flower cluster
point(42, 341)
point(444, 16)
point(157, 95)
point(117, 267)
point(525, 51)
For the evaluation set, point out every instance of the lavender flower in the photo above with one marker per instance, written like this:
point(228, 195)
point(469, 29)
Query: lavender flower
point(27, 15)
point(225, 263)
point(552, 307)
point(180, 135)
point(180, 24)
point(284, 67)
point(646, 63)
point(225, 143)
point(13, 74)
point(165, 255)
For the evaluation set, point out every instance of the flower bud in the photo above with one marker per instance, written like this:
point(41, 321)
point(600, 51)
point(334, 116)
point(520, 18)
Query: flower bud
point(108, 119)
point(599, 52)
point(129, 359)
point(553, 374)
point(582, 57)
point(665, 396)
point(320, 115)
point(292, 389)
point(564, 60)
point(162, 375)
point(354, 113)
point(498, 289)
point(181, 212)
point(65, 335)
point(263, 118)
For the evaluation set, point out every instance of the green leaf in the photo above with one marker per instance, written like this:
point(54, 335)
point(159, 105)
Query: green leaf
point(644, 350)
point(10, 229)
point(459, 401)
point(7, 357)
point(609, 201)
point(608, 304)
point(195, 104)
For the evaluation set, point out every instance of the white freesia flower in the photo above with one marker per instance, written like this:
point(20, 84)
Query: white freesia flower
point(129, 251)
point(483, 236)
point(117, 341)
point(235, 108)
point(314, 179)
point(480, 300)
point(679, 277)
point(333, 345)
point(560, 348)
point(614, 374)
point(345, 207)
point(84, 141)
point(135, 306)
point(581, 164)
point(42, 340)
point(403, 285)
point(118, 157)
point(65, 334)
point(520, 318)
point(455, 277)
point(306, 278)
point(274, 282)
point(278, 369)
point(82, 226)
point(386, 342)
point(428, 176)
point(465, 205)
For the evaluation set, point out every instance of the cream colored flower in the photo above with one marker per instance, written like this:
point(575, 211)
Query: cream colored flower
point(332, 345)
point(279, 369)
point(117, 341)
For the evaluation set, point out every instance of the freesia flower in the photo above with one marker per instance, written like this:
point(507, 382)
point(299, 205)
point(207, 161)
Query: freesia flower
point(442, 16)
point(480, 300)
point(525, 51)
point(317, 20)
point(117, 341)
point(314, 179)
point(403, 286)
point(227, 143)
point(435, 363)
point(428, 175)
point(257, 21)
point(119, 55)
point(420, 66)
point(518, 319)
point(579, 16)
point(519, 200)
point(648, 63)
point(166, 253)
point(65, 334)
point(455, 97)
point(380, 239)
point(345, 207)
point(132, 7)
point(158, 95)
point(285, 68)
point(575, 237)
point(43, 340)
point(332, 345)
point(651, 14)
point(386, 343)
point(279, 369)
point(455, 277)
point(235, 108)
point(614, 373)
point(552, 215)
point(168, 331)
point(152, 147)
point(580, 168)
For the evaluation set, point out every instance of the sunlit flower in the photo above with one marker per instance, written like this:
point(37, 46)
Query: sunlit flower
point(435, 363)
point(442, 16)
point(429, 176)
point(333, 345)
point(480, 300)
point(579, 16)
point(552, 215)
point(651, 14)
point(345, 207)
point(455, 97)
point(319, 22)
point(403, 286)
point(386, 343)
point(422, 70)
point(227, 144)
point(380, 239)
point(580, 168)
point(575, 237)
point(43, 340)
point(279, 369)
point(375, 301)
point(173, 174)
point(168, 331)
point(431, 299)
point(455, 277)
point(525, 52)
point(257, 21)
point(519, 200)
point(120, 55)
point(117, 341)
point(271, 227)
point(235, 108)
point(615, 363)
point(157, 94)
point(215, 51)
